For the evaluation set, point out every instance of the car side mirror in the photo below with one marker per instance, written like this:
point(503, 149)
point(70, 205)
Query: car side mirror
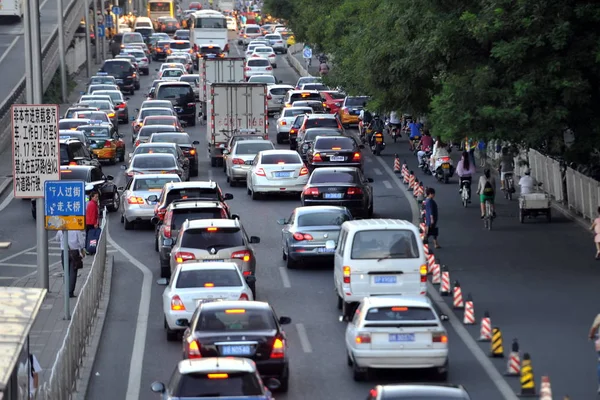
point(168, 242)
point(330, 244)
point(235, 216)
point(282, 221)
point(228, 196)
point(152, 197)
point(225, 152)
point(361, 146)
point(195, 142)
point(121, 188)
point(285, 320)
point(370, 180)
point(250, 279)
point(254, 239)
point(126, 98)
point(272, 384)
point(123, 167)
point(158, 387)
point(109, 178)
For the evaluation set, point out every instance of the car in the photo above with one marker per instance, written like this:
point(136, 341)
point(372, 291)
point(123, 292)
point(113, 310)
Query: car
point(72, 124)
point(153, 39)
point(260, 41)
point(177, 212)
point(232, 24)
point(351, 108)
point(95, 117)
point(268, 80)
point(334, 151)
point(181, 46)
point(74, 151)
point(120, 103)
point(145, 132)
point(102, 80)
point(294, 128)
point(275, 95)
point(241, 329)
point(163, 120)
point(236, 138)
point(396, 332)
point(288, 37)
point(123, 71)
point(182, 34)
point(101, 86)
point(168, 148)
point(182, 59)
point(131, 58)
point(286, 119)
point(194, 81)
point(138, 122)
point(265, 52)
point(116, 43)
point(92, 97)
point(145, 32)
point(229, 376)
point(333, 100)
point(195, 5)
point(249, 32)
point(73, 110)
point(137, 46)
point(141, 58)
point(257, 66)
point(314, 86)
point(168, 25)
point(155, 163)
point(267, 29)
point(276, 42)
point(134, 204)
point(320, 121)
point(124, 28)
point(106, 107)
point(132, 37)
point(341, 186)
point(66, 134)
point(316, 106)
point(187, 145)
point(250, 49)
point(307, 230)
point(239, 159)
point(276, 171)
point(215, 240)
point(306, 79)
point(161, 49)
point(209, 51)
point(306, 140)
point(170, 74)
point(156, 104)
point(106, 144)
point(183, 98)
point(297, 95)
point(411, 391)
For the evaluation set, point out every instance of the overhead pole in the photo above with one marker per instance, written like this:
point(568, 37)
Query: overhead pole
point(62, 51)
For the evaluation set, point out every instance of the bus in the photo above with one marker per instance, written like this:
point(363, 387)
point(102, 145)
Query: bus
point(161, 8)
point(208, 27)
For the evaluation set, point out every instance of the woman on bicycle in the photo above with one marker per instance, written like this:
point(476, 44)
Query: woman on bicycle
point(465, 171)
point(486, 189)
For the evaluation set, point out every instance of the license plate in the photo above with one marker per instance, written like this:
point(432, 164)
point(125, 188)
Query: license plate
point(337, 158)
point(119, 80)
point(325, 250)
point(203, 301)
point(249, 162)
point(379, 140)
point(282, 174)
point(385, 279)
point(402, 337)
point(333, 195)
point(211, 260)
point(236, 350)
point(445, 166)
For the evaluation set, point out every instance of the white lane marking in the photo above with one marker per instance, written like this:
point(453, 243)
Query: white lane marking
point(9, 48)
point(8, 277)
point(33, 253)
point(17, 254)
point(285, 278)
point(387, 184)
point(377, 171)
point(43, 4)
point(303, 336)
point(141, 327)
point(17, 265)
point(210, 174)
point(5, 245)
point(495, 376)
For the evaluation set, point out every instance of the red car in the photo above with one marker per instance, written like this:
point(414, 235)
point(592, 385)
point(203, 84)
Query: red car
point(194, 5)
point(333, 100)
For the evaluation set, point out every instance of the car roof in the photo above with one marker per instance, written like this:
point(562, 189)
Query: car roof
point(154, 176)
point(76, 167)
point(281, 86)
point(149, 155)
point(191, 203)
point(392, 301)
point(218, 223)
point(431, 389)
point(176, 83)
point(337, 169)
point(192, 184)
point(311, 209)
point(299, 91)
point(216, 364)
point(326, 129)
point(198, 266)
point(160, 116)
point(308, 101)
point(307, 108)
point(261, 141)
point(376, 223)
point(159, 126)
point(248, 305)
point(156, 144)
point(172, 133)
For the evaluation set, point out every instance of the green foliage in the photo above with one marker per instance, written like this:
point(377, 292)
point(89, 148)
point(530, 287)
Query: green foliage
point(52, 95)
point(520, 70)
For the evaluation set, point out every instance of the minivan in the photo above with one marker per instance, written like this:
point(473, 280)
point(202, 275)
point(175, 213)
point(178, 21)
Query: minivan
point(183, 98)
point(123, 71)
point(377, 257)
point(249, 33)
point(142, 22)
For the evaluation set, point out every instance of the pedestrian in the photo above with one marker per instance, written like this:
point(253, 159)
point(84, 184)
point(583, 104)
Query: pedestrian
point(481, 146)
point(594, 335)
point(596, 228)
point(92, 214)
point(76, 243)
point(431, 218)
point(32, 368)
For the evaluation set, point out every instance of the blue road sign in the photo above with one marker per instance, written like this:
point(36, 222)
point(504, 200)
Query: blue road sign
point(117, 10)
point(307, 53)
point(109, 21)
point(65, 205)
point(100, 30)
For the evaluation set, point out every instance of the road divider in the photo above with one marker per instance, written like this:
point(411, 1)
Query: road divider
point(436, 274)
point(397, 167)
point(545, 389)
point(497, 347)
point(513, 367)
point(469, 317)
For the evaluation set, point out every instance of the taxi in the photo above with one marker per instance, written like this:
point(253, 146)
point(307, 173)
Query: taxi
point(106, 144)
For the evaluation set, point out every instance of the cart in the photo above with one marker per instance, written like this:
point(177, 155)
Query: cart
point(533, 204)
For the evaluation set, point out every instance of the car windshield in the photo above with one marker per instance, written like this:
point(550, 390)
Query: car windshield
point(154, 184)
point(337, 95)
point(190, 79)
point(263, 50)
point(93, 116)
point(334, 143)
point(137, 54)
point(180, 45)
point(114, 96)
point(192, 193)
point(356, 101)
point(99, 80)
point(206, 238)
point(174, 91)
point(208, 278)
point(179, 216)
point(159, 121)
point(116, 68)
point(252, 148)
point(319, 218)
point(157, 104)
point(73, 174)
point(258, 63)
point(176, 138)
point(237, 384)
point(400, 314)
point(144, 31)
point(99, 104)
point(183, 34)
point(95, 131)
point(181, 60)
point(151, 112)
point(155, 150)
point(324, 176)
point(310, 136)
point(274, 159)
point(315, 86)
point(307, 79)
point(240, 320)
point(381, 244)
point(153, 162)
point(253, 29)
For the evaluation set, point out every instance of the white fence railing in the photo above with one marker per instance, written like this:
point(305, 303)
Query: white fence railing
point(583, 193)
point(67, 364)
point(548, 171)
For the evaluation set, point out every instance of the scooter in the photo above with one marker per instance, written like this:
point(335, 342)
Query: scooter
point(443, 169)
point(424, 165)
point(377, 143)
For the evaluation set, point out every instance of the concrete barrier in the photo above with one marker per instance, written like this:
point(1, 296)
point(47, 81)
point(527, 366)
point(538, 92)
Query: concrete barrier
point(75, 56)
point(294, 63)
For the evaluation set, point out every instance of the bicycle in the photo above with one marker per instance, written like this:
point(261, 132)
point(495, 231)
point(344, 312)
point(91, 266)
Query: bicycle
point(489, 215)
point(464, 194)
point(509, 186)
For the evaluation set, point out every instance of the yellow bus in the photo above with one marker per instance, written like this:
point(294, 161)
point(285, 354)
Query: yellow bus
point(161, 8)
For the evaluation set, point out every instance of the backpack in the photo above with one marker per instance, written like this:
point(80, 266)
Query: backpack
point(488, 190)
point(377, 125)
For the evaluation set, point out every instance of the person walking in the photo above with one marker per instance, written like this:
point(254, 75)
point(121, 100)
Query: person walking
point(596, 229)
point(481, 146)
point(431, 217)
point(92, 214)
point(76, 243)
point(595, 335)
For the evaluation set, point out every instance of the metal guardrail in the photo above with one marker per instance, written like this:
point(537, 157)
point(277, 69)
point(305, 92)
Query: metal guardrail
point(66, 367)
point(548, 171)
point(583, 193)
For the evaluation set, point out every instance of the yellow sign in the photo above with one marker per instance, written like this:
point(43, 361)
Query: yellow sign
point(68, 223)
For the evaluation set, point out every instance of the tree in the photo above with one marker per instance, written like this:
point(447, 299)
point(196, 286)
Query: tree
point(280, 8)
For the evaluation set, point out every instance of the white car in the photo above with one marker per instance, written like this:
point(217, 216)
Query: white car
point(182, 58)
point(156, 104)
point(275, 96)
point(170, 65)
point(277, 43)
point(257, 66)
point(239, 160)
point(250, 49)
point(124, 28)
point(231, 24)
point(268, 80)
point(194, 283)
point(265, 52)
point(141, 58)
point(276, 171)
point(287, 117)
point(171, 74)
point(396, 332)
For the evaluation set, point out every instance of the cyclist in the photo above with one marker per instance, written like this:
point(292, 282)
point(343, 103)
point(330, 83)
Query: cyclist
point(425, 145)
point(486, 189)
point(364, 119)
point(394, 121)
point(507, 166)
point(465, 171)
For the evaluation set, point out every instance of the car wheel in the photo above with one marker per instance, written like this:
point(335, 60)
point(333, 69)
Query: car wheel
point(132, 91)
point(442, 372)
point(349, 360)
point(283, 255)
point(274, 66)
point(340, 301)
point(156, 243)
point(255, 195)
point(290, 262)
point(279, 141)
point(128, 225)
point(122, 156)
point(213, 161)
point(248, 191)
point(116, 202)
point(232, 182)
point(172, 335)
point(359, 374)
point(284, 382)
point(253, 289)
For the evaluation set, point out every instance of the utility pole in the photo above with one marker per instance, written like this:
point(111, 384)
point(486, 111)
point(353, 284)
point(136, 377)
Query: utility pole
point(27, 38)
point(98, 38)
point(88, 52)
point(62, 51)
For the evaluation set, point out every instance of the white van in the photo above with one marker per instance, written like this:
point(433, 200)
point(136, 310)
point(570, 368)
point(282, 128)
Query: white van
point(377, 257)
point(143, 22)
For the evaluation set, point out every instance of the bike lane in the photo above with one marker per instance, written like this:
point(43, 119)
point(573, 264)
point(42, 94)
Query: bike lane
point(538, 280)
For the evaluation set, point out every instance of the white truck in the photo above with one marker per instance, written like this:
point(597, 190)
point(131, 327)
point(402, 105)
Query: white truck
point(208, 27)
point(11, 8)
point(218, 70)
point(234, 109)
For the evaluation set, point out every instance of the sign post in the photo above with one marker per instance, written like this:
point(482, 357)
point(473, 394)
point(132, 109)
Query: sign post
point(65, 211)
point(36, 159)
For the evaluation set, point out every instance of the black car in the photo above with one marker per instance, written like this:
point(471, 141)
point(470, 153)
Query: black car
point(74, 152)
point(161, 50)
point(293, 135)
point(252, 328)
point(340, 186)
point(182, 34)
point(181, 94)
point(329, 151)
point(305, 141)
point(92, 177)
point(422, 391)
point(123, 71)
point(183, 140)
point(317, 106)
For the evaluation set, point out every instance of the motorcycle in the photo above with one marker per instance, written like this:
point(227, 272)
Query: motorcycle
point(377, 143)
point(510, 186)
point(424, 165)
point(443, 169)
point(365, 134)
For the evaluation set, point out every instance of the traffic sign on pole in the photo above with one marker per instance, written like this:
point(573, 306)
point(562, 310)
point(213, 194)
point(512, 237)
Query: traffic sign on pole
point(35, 148)
point(65, 205)
point(100, 30)
point(117, 10)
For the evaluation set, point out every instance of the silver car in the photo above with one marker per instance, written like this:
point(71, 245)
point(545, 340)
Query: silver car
point(194, 81)
point(306, 231)
point(141, 58)
point(143, 164)
point(107, 107)
point(135, 206)
point(239, 160)
point(156, 104)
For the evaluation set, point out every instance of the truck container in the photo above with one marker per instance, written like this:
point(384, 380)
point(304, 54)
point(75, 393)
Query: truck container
point(219, 70)
point(11, 8)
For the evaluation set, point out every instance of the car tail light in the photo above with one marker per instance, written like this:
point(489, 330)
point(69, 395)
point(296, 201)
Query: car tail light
point(144, 59)
point(132, 173)
point(193, 350)
point(244, 296)
point(303, 171)
point(238, 161)
point(269, 97)
point(191, 104)
point(167, 225)
point(311, 192)
point(363, 338)
point(177, 304)
point(193, 151)
point(135, 200)
point(247, 273)
point(423, 271)
point(175, 171)
point(137, 143)
point(183, 256)
point(346, 271)
point(302, 236)
point(160, 212)
point(278, 348)
point(354, 191)
point(356, 157)
point(120, 106)
point(107, 143)
point(269, 68)
point(243, 255)
point(260, 172)
point(317, 157)
point(439, 337)
point(72, 163)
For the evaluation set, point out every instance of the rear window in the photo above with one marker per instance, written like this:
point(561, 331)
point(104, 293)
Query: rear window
point(274, 159)
point(321, 123)
point(323, 218)
point(117, 67)
point(316, 106)
point(153, 162)
point(279, 91)
point(177, 138)
point(95, 131)
point(241, 320)
point(163, 43)
point(190, 79)
point(263, 50)
point(93, 115)
point(137, 54)
point(99, 104)
point(191, 193)
point(315, 86)
point(400, 314)
point(304, 96)
point(179, 216)
point(149, 112)
point(114, 96)
point(252, 29)
point(292, 113)
point(172, 73)
point(155, 150)
point(356, 101)
point(259, 63)
point(200, 385)
point(159, 121)
point(273, 37)
point(384, 244)
point(133, 37)
point(252, 148)
point(344, 143)
point(144, 31)
point(180, 45)
point(149, 130)
point(146, 184)
point(204, 239)
point(174, 91)
point(210, 50)
point(208, 278)
point(323, 176)
point(310, 136)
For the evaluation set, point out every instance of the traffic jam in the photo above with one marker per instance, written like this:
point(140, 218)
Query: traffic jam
point(233, 344)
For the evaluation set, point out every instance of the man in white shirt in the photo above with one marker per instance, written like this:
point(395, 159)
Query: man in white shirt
point(76, 243)
point(527, 183)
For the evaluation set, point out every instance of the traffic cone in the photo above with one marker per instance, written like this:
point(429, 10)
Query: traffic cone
point(430, 263)
point(469, 317)
point(421, 195)
point(513, 367)
point(426, 248)
point(445, 286)
point(545, 389)
point(497, 349)
point(527, 379)
point(397, 167)
point(411, 180)
point(422, 227)
point(485, 332)
point(415, 188)
point(436, 276)
point(457, 298)
point(405, 173)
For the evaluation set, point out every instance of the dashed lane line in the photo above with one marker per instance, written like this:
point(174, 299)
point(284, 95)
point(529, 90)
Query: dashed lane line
point(6, 52)
point(18, 265)
point(387, 184)
point(285, 278)
point(303, 336)
point(377, 171)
